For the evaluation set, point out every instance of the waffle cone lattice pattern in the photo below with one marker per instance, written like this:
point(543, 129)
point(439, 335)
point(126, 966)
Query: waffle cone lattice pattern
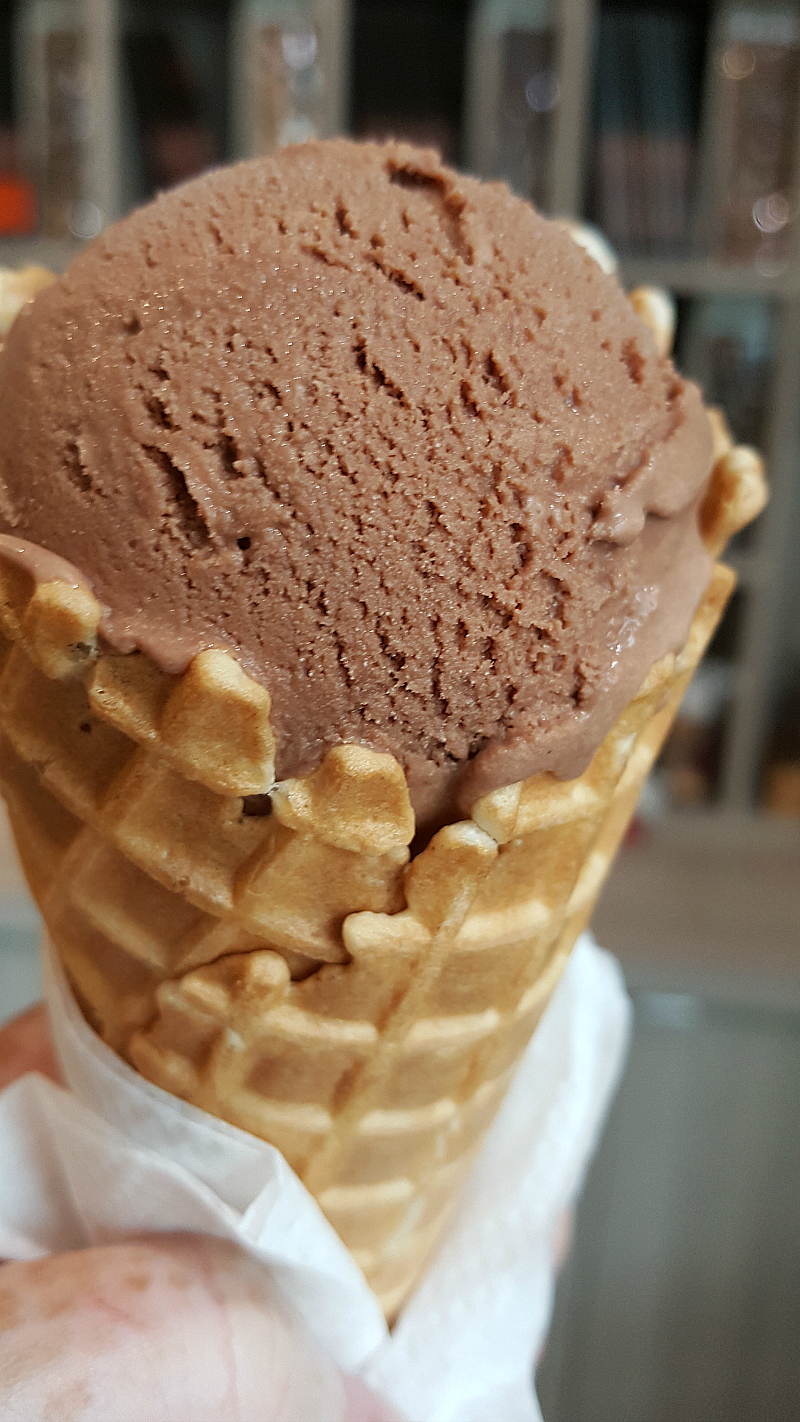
point(291, 972)
point(268, 952)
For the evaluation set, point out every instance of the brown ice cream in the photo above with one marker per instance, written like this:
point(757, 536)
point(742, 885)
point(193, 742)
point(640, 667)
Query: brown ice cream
point(386, 434)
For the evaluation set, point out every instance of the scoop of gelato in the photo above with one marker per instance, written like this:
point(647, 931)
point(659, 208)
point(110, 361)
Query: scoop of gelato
point(386, 434)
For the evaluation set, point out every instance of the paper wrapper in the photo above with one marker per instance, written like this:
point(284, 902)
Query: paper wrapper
point(118, 1156)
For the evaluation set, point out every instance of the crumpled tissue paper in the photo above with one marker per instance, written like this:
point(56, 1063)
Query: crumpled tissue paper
point(114, 1155)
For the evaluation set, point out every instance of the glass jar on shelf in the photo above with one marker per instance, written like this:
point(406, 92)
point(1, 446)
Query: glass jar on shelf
point(288, 72)
point(55, 103)
point(513, 92)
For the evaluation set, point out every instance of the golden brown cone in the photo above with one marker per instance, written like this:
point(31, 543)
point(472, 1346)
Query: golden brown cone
point(293, 972)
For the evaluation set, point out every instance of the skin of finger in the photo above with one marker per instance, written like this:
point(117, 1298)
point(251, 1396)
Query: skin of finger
point(158, 1330)
point(25, 1046)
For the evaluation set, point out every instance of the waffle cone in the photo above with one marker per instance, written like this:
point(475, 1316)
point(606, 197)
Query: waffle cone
point(294, 972)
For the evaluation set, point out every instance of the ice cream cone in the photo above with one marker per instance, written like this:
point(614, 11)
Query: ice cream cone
point(291, 971)
point(272, 953)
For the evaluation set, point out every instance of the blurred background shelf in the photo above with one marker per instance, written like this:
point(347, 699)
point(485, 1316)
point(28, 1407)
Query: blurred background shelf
point(688, 156)
point(698, 276)
point(709, 901)
point(56, 253)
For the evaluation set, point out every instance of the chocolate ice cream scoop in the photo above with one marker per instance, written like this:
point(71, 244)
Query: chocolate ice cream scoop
point(386, 434)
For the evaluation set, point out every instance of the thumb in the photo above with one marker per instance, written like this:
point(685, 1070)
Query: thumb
point(161, 1329)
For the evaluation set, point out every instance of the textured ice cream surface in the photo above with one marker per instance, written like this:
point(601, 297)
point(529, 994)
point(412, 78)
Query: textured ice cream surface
point(386, 434)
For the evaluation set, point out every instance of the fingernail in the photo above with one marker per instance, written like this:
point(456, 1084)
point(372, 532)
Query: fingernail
point(364, 1405)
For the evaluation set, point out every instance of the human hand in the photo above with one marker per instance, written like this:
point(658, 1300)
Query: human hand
point(163, 1328)
point(25, 1046)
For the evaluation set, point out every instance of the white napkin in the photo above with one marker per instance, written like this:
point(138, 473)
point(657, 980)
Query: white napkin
point(116, 1155)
